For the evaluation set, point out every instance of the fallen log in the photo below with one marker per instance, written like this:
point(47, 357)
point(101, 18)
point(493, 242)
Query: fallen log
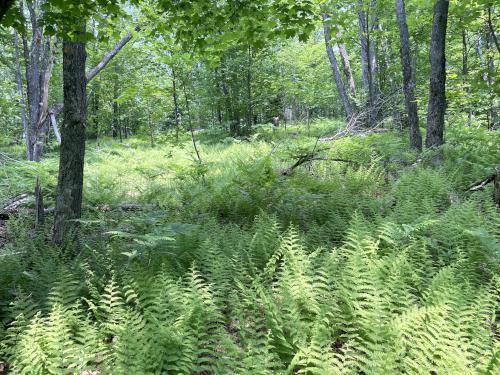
point(13, 205)
point(481, 185)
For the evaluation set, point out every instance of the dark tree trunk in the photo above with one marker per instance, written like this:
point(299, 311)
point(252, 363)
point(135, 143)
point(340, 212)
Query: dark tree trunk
point(437, 96)
point(335, 69)
point(72, 152)
point(408, 82)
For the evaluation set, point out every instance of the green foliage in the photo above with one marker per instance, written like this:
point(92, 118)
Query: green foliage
point(374, 268)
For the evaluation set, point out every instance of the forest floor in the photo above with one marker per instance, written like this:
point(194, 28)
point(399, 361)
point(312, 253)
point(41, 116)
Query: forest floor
point(364, 258)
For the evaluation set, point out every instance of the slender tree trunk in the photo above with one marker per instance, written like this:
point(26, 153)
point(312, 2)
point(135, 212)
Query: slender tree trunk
point(176, 104)
point(365, 54)
point(492, 113)
point(372, 41)
point(437, 96)
point(190, 120)
point(465, 73)
point(335, 69)
point(344, 57)
point(249, 90)
point(408, 82)
point(366, 60)
point(72, 150)
point(20, 92)
point(117, 132)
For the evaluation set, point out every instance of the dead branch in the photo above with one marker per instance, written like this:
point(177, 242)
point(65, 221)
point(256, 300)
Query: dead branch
point(481, 185)
point(302, 159)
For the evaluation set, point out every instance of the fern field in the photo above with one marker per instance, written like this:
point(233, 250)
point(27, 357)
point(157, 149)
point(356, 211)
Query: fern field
point(370, 268)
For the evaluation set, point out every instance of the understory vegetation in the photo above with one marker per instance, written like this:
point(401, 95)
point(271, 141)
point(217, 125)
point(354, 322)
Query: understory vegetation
point(379, 264)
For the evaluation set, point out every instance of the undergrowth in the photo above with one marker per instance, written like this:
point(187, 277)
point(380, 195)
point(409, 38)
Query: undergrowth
point(385, 266)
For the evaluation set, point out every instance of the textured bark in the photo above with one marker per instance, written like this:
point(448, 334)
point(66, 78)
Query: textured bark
point(344, 57)
point(72, 150)
point(373, 51)
point(335, 69)
point(20, 92)
point(39, 61)
point(437, 97)
point(408, 82)
point(42, 125)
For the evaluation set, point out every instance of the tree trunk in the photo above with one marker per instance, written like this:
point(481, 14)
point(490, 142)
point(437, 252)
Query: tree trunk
point(249, 90)
point(72, 151)
point(176, 104)
point(465, 73)
point(408, 82)
point(116, 116)
point(372, 42)
point(365, 54)
point(437, 96)
point(366, 60)
point(492, 113)
point(335, 69)
point(344, 57)
point(42, 125)
point(20, 92)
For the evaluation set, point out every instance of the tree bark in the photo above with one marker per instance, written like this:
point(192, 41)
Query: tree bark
point(365, 54)
point(72, 150)
point(437, 96)
point(20, 92)
point(408, 82)
point(344, 57)
point(366, 60)
point(335, 69)
point(373, 51)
